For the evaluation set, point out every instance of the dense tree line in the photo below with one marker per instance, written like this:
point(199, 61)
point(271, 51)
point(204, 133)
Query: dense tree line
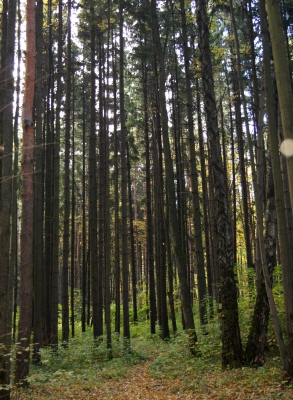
point(145, 173)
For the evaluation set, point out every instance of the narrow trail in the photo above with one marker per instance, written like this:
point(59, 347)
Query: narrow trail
point(138, 384)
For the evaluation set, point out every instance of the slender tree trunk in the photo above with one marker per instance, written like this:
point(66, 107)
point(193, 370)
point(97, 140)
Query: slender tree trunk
point(257, 339)
point(93, 188)
point(66, 234)
point(116, 200)
point(201, 281)
point(212, 281)
point(84, 236)
point(101, 184)
point(75, 240)
point(133, 258)
point(14, 215)
point(39, 155)
point(170, 189)
point(6, 142)
point(238, 99)
point(276, 168)
point(154, 260)
point(285, 94)
point(26, 244)
point(56, 188)
point(125, 266)
point(231, 341)
point(107, 233)
point(242, 163)
point(233, 160)
point(49, 149)
point(149, 219)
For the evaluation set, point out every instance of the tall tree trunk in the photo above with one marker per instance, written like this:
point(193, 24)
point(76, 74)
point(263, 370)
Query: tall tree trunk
point(149, 220)
point(285, 94)
point(158, 300)
point(93, 217)
point(56, 188)
point(117, 224)
point(84, 235)
point(101, 183)
point(131, 234)
point(233, 189)
point(238, 99)
point(158, 203)
point(201, 281)
point(125, 267)
point(66, 234)
point(276, 165)
point(14, 205)
point(26, 244)
point(6, 141)
point(257, 339)
point(231, 341)
point(180, 253)
point(107, 234)
point(75, 240)
point(211, 276)
point(39, 155)
point(49, 149)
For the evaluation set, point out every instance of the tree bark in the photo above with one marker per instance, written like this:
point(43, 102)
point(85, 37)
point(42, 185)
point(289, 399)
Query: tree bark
point(6, 142)
point(201, 280)
point(276, 167)
point(93, 217)
point(257, 339)
point(125, 266)
point(180, 255)
point(66, 234)
point(26, 243)
point(231, 341)
point(285, 94)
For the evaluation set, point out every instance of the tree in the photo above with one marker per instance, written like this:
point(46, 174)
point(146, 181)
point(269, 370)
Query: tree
point(93, 217)
point(6, 138)
point(194, 176)
point(180, 254)
point(49, 175)
point(26, 261)
point(66, 235)
point(39, 156)
point(285, 95)
point(231, 340)
point(125, 267)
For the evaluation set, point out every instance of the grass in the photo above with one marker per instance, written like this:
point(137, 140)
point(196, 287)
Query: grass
point(84, 367)
point(84, 370)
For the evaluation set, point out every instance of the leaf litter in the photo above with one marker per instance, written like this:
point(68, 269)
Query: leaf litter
point(140, 383)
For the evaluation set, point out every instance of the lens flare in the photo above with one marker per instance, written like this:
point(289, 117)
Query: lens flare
point(286, 147)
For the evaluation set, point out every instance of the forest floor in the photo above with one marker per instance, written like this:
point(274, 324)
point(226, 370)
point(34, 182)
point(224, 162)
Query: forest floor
point(152, 369)
point(139, 384)
point(143, 381)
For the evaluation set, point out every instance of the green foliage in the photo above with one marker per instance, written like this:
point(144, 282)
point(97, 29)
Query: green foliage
point(85, 363)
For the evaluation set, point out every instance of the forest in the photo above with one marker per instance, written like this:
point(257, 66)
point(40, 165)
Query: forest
point(146, 192)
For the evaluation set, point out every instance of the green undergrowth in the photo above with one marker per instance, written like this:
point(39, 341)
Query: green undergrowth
point(85, 361)
point(88, 363)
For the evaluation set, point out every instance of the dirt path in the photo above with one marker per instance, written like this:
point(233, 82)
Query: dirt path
point(140, 385)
